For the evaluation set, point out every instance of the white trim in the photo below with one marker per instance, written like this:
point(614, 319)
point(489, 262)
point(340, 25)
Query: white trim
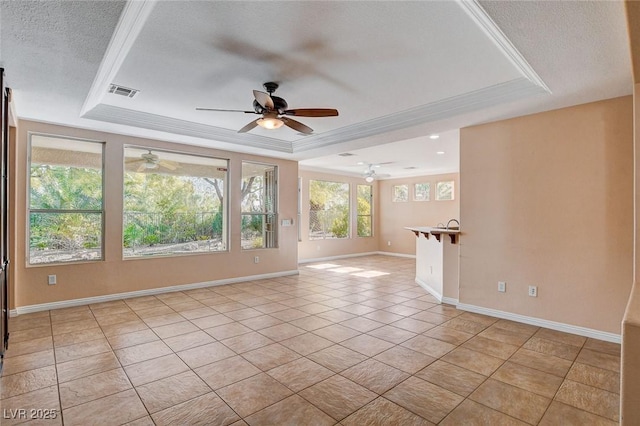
point(426, 286)
point(485, 97)
point(489, 27)
point(152, 291)
point(347, 256)
point(342, 256)
point(567, 328)
point(13, 313)
point(450, 301)
point(175, 126)
point(388, 253)
point(133, 18)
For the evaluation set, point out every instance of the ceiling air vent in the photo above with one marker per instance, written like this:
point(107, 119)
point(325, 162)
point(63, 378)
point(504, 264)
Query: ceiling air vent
point(346, 154)
point(122, 91)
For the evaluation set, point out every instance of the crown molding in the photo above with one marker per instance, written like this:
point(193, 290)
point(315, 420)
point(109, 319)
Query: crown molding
point(132, 20)
point(117, 115)
point(468, 102)
point(491, 30)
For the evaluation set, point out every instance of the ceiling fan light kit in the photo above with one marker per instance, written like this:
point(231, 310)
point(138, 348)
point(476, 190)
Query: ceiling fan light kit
point(270, 123)
point(272, 108)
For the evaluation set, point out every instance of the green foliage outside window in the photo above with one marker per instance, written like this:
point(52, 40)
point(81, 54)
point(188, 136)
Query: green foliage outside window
point(364, 199)
point(329, 209)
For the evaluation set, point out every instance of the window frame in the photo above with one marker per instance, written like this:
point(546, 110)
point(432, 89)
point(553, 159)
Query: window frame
point(349, 212)
point(453, 190)
point(394, 197)
point(415, 189)
point(357, 211)
point(101, 212)
point(226, 228)
point(265, 214)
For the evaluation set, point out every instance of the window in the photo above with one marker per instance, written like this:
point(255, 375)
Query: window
point(328, 210)
point(259, 206)
point(65, 200)
point(173, 203)
point(444, 191)
point(422, 192)
point(400, 193)
point(364, 210)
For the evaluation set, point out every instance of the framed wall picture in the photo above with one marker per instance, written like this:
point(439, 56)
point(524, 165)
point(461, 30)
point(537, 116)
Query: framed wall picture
point(444, 191)
point(400, 193)
point(422, 191)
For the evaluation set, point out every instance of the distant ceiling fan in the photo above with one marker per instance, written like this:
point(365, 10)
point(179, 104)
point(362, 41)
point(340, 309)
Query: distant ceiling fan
point(151, 161)
point(370, 174)
point(274, 109)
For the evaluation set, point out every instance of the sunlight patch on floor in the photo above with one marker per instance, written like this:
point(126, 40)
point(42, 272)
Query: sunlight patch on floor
point(323, 266)
point(370, 274)
point(346, 270)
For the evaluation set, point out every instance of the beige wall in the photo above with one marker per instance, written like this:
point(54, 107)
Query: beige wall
point(395, 216)
point(115, 275)
point(546, 200)
point(317, 249)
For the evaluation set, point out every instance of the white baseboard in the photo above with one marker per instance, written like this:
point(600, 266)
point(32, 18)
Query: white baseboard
point(109, 297)
point(347, 256)
point(341, 256)
point(388, 253)
point(567, 328)
point(427, 287)
point(13, 313)
point(450, 301)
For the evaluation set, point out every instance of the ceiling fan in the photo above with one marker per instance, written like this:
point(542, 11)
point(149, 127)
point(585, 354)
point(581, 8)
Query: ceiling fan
point(274, 111)
point(370, 174)
point(151, 161)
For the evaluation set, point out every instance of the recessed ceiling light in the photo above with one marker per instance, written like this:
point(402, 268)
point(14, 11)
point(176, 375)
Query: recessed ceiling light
point(376, 165)
point(440, 152)
point(360, 163)
point(434, 136)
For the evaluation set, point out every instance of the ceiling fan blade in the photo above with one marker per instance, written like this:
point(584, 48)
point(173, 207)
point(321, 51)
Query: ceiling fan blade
point(312, 112)
point(133, 160)
point(141, 168)
point(296, 125)
point(171, 165)
point(225, 110)
point(249, 126)
point(264, 99)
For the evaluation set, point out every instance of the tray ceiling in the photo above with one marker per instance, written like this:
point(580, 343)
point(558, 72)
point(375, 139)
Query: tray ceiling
point(395, 70)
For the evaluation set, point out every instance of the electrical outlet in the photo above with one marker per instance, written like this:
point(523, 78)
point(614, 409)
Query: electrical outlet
point(388, 243)
point(502, 286)
point(533, 291)
point(256, 259)
point(52, 280)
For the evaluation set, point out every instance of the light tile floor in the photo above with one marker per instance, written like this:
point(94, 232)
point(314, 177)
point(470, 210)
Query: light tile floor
point(354, 342)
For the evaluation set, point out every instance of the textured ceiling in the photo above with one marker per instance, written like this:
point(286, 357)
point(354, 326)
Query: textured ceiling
point(397, 71)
